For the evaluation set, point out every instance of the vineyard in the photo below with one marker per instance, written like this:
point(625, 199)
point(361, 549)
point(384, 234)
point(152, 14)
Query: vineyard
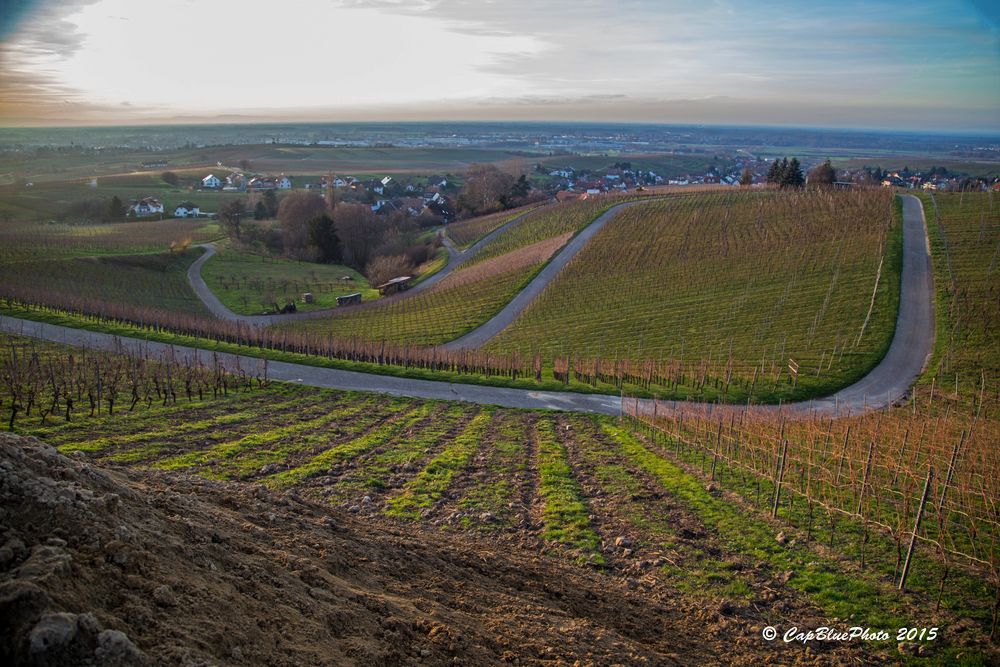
point(151, 280)
point(844, 319)
point(964, 230)
point(466, 232)
point(910, 493)
point(42, 383)
point(30, 242)
point(546, 223)
point(575, 488)
point(741, 283)
point(460, 302)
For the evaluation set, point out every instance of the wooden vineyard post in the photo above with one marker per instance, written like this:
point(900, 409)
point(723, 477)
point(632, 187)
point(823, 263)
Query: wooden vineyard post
point(916, 528)
point(864, 480)
point(715, 454)
point(951, 473)
point(781, 476)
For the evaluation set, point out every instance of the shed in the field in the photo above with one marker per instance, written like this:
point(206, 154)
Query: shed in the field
point(399, 284)
point(349, 299)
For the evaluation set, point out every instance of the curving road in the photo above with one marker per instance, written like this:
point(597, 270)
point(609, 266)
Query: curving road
point(455, 259)
point(478, 336)
point(888, 382)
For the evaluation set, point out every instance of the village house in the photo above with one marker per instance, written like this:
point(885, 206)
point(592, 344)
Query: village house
point(211, 182)
point(187, 210)
point(146, 206)
point(284, 183)
point(235, 181)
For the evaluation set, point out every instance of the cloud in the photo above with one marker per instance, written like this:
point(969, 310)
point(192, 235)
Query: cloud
point(383, 58)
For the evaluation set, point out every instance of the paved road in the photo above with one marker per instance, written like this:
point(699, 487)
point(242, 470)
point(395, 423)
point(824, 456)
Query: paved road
point(455, 259)
point(887, 383)
point(478, 336)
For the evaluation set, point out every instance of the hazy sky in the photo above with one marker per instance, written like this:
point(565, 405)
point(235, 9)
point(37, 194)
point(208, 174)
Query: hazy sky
point(848, 64)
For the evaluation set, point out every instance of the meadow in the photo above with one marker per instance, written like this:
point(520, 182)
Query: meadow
point(249, 283)
point(744, 281)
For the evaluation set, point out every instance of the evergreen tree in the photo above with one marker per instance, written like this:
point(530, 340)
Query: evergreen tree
point(774, 173)
point(115, 208)
point(323, 235)
point(791, 175)
point(260, 211)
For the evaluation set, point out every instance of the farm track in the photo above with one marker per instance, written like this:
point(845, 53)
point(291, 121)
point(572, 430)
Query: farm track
point(886, 384)
point(456, 258)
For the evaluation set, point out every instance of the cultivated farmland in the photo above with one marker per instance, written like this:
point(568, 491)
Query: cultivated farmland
point(575, 489)
point(743, 282)
point(466, 232)
point(964, 230)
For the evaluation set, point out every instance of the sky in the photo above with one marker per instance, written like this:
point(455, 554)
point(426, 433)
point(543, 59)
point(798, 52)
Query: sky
point(901, 65)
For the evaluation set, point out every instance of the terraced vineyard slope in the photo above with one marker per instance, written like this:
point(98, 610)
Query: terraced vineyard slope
point(964, 231)
point(753, 285)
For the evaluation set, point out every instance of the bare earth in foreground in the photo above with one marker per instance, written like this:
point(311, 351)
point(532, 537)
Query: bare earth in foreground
point(126, 567)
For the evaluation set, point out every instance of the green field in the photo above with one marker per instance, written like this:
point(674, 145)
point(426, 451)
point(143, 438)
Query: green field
point(248, 284)
point(744, 280)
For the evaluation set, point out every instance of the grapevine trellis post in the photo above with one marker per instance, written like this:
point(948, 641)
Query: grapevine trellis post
point(916, 528)
point(781, 476)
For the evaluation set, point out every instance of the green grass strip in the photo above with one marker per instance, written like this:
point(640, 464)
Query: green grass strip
point(350, 449)
point(565, 514)
point(229, 449)
point(361, 418)
point(102, 443)
point(840, 594)
point(430, 484)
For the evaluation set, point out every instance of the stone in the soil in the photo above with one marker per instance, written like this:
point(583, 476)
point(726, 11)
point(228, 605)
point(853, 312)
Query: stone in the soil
point(52, 632)
point(115, 648)
point(164, 596)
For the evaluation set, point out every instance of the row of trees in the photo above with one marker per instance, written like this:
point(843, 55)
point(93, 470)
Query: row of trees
point(487, 189)
point(786, 173)
point(351, 234)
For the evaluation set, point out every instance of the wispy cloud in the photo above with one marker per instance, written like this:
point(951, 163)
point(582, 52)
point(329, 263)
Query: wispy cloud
point(869, 61)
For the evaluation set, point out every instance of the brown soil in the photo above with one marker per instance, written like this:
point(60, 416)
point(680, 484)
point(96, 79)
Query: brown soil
point(132, 567)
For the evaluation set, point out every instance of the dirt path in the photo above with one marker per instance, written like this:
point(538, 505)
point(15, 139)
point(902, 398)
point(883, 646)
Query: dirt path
point(888, 382)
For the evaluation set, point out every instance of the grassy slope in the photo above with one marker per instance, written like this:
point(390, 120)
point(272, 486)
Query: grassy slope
point(247, 283)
